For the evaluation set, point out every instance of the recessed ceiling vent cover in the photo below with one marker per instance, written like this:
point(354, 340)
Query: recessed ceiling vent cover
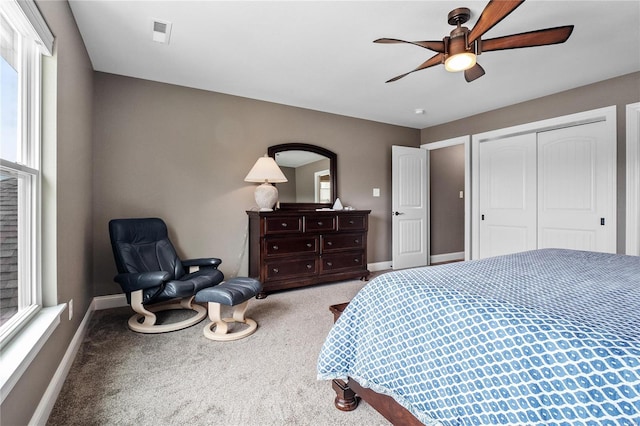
point(161, 31)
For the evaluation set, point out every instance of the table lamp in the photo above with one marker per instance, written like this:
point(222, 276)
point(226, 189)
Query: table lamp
point(266, 171)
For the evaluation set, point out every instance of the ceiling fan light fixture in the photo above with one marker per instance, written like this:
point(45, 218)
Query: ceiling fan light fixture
point(460, 61)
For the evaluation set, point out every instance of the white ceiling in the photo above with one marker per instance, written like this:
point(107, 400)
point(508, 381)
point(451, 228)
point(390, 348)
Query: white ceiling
point(319, 54)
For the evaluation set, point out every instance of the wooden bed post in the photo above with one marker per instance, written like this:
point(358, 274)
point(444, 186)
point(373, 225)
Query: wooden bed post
point(345, 398)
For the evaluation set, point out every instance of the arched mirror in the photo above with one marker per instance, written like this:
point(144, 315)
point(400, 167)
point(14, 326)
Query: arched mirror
point(311, 171)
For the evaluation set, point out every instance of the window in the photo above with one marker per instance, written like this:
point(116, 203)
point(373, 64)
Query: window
point(21, 49)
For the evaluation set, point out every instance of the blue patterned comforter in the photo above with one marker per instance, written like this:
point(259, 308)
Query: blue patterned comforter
point(543, 337)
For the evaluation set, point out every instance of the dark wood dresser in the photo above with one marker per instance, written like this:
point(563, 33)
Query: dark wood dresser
point(290, 248)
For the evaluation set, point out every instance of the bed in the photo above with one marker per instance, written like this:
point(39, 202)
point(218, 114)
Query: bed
point(548, 336)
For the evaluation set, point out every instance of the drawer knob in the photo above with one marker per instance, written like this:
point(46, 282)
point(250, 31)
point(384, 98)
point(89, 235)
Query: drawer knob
point(276, 270)
point(275, 247)
point(283, 224)
point(309, 266)
point(329, 264)
point(356, 260)
point(309, 244)
point(357, 241)
point(329, 243)
point(351, 222)
point(319, 223)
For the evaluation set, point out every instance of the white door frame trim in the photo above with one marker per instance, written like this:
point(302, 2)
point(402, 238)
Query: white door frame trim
point(607, 114)
point(632, 227)
point(466, 141)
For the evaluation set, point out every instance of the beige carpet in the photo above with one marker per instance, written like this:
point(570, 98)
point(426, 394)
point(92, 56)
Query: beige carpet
point(123, 378)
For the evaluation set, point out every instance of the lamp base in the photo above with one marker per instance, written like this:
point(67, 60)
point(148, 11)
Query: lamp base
point(266, 197)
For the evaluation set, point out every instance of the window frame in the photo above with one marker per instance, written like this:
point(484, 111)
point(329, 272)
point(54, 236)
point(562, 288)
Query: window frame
point(35, 328)
point(20, 16)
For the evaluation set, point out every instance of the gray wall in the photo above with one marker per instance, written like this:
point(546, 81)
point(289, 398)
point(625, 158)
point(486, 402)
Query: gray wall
point(67, 192)
point(287, 190)
point(182, 154)
point(446, 180)
point(618, 91)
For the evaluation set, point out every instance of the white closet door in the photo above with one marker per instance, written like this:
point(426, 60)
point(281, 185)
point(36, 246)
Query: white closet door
point(507, 195)
point(576, 189)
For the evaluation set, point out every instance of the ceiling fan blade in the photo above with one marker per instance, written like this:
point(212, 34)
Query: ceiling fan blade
point(436, 46)
point(495, 12)
point(434, 60)
point(474, 72)
point(529, 39)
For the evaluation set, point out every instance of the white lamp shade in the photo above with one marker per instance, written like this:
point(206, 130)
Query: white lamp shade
point(265, 170)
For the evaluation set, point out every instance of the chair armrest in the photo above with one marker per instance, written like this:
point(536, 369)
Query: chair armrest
point(211, 262)
point(142, 280)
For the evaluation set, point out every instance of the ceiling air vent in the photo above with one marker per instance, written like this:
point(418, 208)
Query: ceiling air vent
point(161, 31)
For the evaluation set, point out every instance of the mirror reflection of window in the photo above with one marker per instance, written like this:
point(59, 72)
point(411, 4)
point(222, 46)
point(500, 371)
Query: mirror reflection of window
point(305, 171)
point(323, 187)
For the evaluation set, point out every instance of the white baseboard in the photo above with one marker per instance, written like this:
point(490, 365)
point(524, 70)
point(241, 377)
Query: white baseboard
point(110, 301)
point(379, 266)
point(447, 257)
point(43, 410)
point(436, 258)
point(48, 400)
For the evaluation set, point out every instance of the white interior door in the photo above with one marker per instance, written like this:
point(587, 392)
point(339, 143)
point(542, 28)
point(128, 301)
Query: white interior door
point(409, 175)
point(576, 189)
point(507, 194)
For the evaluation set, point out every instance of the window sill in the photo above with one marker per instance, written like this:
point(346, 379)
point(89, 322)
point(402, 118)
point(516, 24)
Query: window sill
point(23, 348)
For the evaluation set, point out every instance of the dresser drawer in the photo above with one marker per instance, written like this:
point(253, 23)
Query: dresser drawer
point(322, 223)
point(352, 222)
point(275, 246)
point(342, 262)
point(283, 225)
point(335, 242)
point(289, 268)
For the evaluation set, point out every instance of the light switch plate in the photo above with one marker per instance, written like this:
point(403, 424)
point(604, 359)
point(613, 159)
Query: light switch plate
point(376, 192)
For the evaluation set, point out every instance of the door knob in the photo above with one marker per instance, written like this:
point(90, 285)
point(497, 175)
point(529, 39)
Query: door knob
point(397, 213)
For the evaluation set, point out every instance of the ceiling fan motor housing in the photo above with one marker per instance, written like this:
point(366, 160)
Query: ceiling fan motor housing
point(457, 42)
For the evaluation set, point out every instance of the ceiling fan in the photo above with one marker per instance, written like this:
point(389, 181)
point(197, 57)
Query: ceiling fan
point(458, 51)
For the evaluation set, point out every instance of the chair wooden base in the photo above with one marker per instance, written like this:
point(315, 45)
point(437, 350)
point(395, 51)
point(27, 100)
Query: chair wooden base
point(221, 325)
point(144, 320)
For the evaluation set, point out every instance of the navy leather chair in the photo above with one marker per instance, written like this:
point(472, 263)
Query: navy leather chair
point(153, 276)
